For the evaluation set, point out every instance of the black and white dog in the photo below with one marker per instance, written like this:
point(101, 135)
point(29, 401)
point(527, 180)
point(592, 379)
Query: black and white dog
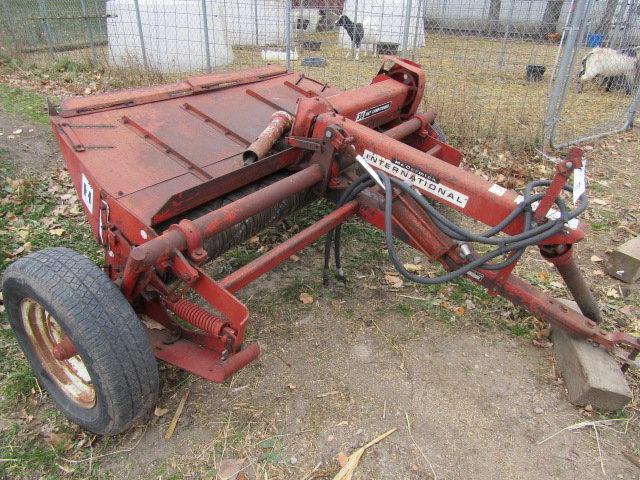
point(359, 33)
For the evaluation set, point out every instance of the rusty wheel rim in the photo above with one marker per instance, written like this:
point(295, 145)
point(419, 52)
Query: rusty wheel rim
point(45, 333)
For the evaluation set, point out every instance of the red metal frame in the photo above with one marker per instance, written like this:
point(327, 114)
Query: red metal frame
point(143, 157)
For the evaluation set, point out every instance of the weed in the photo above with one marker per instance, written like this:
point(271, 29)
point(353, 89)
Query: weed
point(519, 330)
point(404, 309)
point(17, 100)
point(25, 457)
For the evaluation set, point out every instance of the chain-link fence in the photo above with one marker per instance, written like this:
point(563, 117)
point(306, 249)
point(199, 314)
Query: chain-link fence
point(596, 89)
point(495, 68)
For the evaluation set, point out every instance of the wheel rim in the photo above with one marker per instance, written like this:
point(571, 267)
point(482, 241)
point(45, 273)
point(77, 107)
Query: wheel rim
point(69, 374)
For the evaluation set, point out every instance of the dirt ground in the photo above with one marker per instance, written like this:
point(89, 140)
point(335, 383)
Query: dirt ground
point(469, 398)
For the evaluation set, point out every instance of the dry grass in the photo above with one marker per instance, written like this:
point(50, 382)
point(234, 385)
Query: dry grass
point(480, 91)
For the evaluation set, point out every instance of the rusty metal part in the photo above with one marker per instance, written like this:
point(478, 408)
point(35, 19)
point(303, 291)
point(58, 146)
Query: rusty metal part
point(280, 123)
point(219, 243)
point(562, 257)
point(146, 255)
point(66, 369)
point(65, 349)
point(196, 316)
point(414, 124)
point(563, 171)
point(179, 178)
point(246, 274)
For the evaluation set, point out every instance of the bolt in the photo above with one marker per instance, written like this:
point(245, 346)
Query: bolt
point(328, 134)
point(569, 164)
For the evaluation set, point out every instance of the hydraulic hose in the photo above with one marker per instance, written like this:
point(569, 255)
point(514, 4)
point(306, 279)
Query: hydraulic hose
point(512, 245)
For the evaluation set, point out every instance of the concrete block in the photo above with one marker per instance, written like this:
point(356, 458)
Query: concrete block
point(591, 375)
point(624, 261)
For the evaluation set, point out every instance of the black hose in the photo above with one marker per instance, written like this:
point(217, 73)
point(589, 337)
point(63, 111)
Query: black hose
point(516, 244)
point(512, 245)
point(357, 186)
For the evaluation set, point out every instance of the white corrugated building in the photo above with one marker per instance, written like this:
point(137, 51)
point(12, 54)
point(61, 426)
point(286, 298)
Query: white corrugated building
point(173, 33)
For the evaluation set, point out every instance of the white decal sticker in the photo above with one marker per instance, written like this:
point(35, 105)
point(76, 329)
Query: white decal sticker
point(579, 181)
point(420, 179)
point(87, 193)
point(370, 112)
point(497, 189)
point(552, 214)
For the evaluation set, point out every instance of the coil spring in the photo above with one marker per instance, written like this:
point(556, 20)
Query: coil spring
point(196, 316)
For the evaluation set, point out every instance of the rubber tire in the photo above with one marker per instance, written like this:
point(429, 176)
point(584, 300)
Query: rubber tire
point(439, 132)
point(102, 325)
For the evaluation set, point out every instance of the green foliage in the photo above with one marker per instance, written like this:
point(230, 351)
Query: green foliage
point(29, 104)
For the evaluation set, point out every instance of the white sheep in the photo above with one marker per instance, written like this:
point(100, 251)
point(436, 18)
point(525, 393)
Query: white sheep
point(610, 64)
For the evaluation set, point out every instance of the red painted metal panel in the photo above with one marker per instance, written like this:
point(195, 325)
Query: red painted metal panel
point(146, 147)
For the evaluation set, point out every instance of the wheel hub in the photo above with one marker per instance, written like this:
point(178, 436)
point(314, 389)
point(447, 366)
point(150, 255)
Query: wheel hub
point(48, 338)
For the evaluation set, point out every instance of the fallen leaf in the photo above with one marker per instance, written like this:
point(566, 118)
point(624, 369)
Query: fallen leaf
point(306, 298)
point(23, 249)
point(159, 411)
point(230, 467)
point(626, 310)
point(347, 471)
point(57, 440)
point(613, 293)
point(342, 459)
point(393, 280)
point(412, 267)
point(292, 386)
point(294, 258)
point(557, 284)
point(595, 258)
point(58, 232)
point(543, 276)
point(152, 324)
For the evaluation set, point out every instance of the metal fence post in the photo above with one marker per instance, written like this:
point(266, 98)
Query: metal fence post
point(616, 40)
point(507, 32)
point(255, 20)
point(205, 30)
point(139, 21)
point(355, 20)
point(419, 25)
point(7, 23)
point(102, 26)
point(42, 8)
point(287, 33)
point(633, 110)
point(563, 71)
point(407, 24)
point(83, 6)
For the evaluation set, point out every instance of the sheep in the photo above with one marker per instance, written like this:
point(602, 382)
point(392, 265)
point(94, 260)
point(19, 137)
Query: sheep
point(612, 65)
point(359, 33)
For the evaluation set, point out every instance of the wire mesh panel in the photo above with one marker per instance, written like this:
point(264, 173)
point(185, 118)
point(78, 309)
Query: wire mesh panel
point(53, 26)
point(495, 68)
point(488, 63)
point(597, 89)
